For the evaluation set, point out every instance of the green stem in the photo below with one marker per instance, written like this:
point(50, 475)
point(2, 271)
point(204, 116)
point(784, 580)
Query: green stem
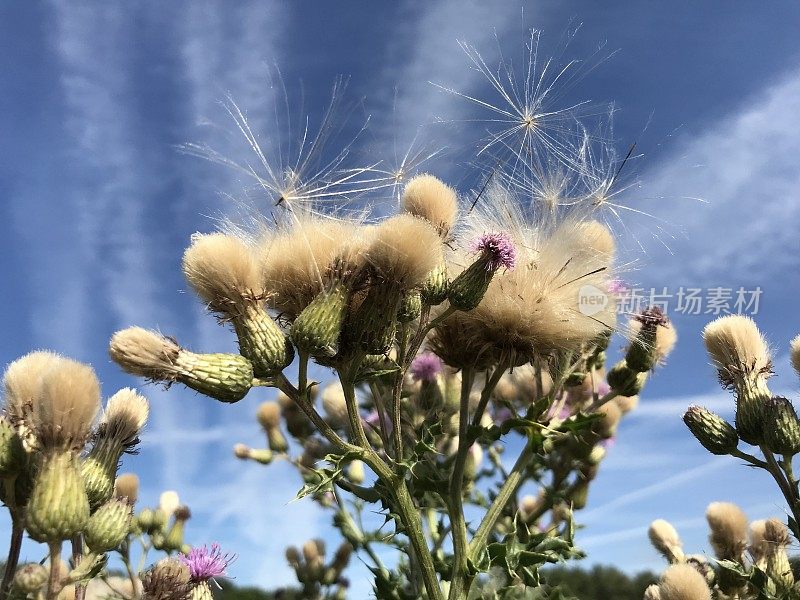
point(77, 555)
point(54, 585)
point(508, 489)
point(356, 426)
point(783, 484)
point(456, 493)
point(17, 534)
point(601, 401)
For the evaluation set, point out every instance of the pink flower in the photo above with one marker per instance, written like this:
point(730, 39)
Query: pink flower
point(498, 248)
point(206, 563)
point(426, 367)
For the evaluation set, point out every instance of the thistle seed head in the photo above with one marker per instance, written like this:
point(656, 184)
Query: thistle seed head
point(728, 525)
point(428, 198)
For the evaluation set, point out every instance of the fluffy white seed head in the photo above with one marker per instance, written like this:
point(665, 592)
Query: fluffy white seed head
point(144, 353)
point(683, 582)
point(222, 270)
point(403, 250)
point(665, 539)
point(728, 525)
point(795, 353)
point(127, 486)
point(169, 501)
point(23, 381)
point(124, 417)
point(68, 400)
point(776, 534)
point(269, 415)
point(737, 348)
point(427, 197)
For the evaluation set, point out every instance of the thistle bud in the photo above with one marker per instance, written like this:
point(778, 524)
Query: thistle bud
point(58, 508)
point(146, 520)
point(108, 526)
point(495, 250)
point(779, 570)
point(473, 463)
point(201, 591)
point(314, 557)
point(174, 539)
point(743, 362)
point(410, 307)
point(30, 578)
point(426, 369)
point(334, 404)
point(317, 328)
point(714, 433)
point(224, 273)
point(781, 427)
point(654, 338)
point(225, 377)
point(434, 289)
point(263, 456)
point(624, 380)
point(580, 494)
point(12, 452)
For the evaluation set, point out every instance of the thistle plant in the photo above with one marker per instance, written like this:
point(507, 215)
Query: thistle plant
point(58, 464)
point(768, 423)
point(455, 337)
point(752, 560)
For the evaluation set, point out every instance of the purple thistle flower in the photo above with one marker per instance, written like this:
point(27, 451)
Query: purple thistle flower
point(206, 563)
point(617, 286)
point(498, 247)
point(426, 367)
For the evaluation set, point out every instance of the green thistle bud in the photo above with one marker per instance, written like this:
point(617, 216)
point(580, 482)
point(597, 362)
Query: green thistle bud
point(496, 250)
point(224, 377)
point(316, 330)
point(580, 494)
point(624, 380)
point(58, 508)
point(410, 307)
point(781, 427)
point(108, 526)
point(98, 479)
point(434, 290)
point(174, 539)
point(751, 398)
point(262, 341)
point(201, 591)
point(146, 520)
point(714, 433)
point(12, 453)
point(348, 528)
point(642, 353)
point(30, 578)
point(355, 472)
point(374, 322)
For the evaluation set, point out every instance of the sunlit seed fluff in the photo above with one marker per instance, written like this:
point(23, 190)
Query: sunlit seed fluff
point(145, 353)
point(728, 525)
point(665, 539)
point(222, 270)
point(627, 403)
point(124, 417)
point(126, 486)
point(657, 341)
point(652, 593)
point(295, 263)
point(427, 197)
point(598, 237)
point(69, 399)
point(169, 501)
point(737, 348)
point(758, 547)
point(403, 250)
point(795, 353)
point(23, 380)
point(29, 579)
point(683, 582)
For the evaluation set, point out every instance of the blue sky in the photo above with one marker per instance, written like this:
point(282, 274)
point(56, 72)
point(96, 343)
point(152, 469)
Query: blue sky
point(97, 204)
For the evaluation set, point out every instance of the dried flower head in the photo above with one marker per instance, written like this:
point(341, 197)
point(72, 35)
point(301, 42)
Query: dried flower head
point(426, 367)
point(269, 415)
point(222, 270)
point(403, 250)
point(683, 582)
point(296, 262)
point(169, 501)
point(427, 197)
point(776, 533)
point(795, 353)
point(23, 380)
point(125, 414)
point(207, 563)
point(728, 525)
point(498, 248)
point(67, 403)
point(665, 539)
point(127, 486)
point(169, 579)
point(738, 350)
point(145, 353)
